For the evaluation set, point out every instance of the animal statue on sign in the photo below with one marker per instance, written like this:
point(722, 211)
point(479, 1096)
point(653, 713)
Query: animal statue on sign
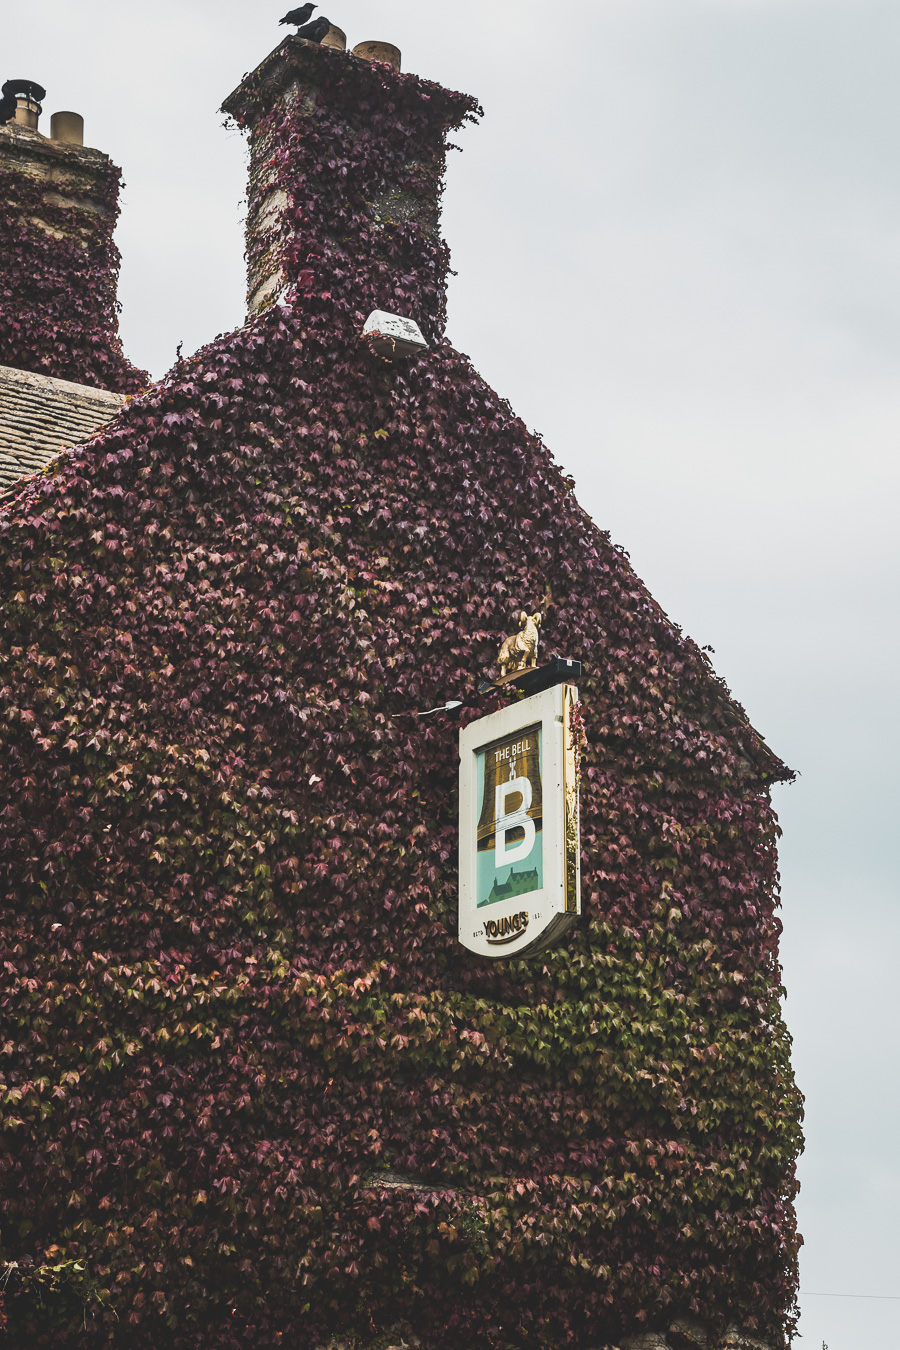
point(519, 652)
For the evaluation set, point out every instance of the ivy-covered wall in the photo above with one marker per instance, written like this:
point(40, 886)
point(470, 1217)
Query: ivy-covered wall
point(252, 1091)
point(59, 266)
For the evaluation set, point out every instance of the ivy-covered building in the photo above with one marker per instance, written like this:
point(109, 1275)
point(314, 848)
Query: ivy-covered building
point(252, 1090)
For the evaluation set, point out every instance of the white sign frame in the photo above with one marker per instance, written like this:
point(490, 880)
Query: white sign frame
point(523, 924)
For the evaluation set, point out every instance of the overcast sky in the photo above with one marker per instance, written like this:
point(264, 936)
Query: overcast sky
point(677, 234)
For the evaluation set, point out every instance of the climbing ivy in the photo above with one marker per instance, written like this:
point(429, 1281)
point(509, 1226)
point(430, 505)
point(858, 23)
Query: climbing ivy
point(252, 1091)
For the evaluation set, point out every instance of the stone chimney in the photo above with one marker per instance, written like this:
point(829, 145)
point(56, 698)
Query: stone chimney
point(59, 266)
point(347, 159)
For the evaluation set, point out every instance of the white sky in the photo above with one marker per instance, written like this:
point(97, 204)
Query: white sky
point(678, 241)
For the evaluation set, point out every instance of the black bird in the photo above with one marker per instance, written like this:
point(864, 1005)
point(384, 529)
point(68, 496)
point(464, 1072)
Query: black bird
point(301, 15)
point(315, 31)
point(8, 106)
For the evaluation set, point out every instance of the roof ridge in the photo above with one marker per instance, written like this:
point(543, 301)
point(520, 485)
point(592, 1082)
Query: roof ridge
point(52, 384)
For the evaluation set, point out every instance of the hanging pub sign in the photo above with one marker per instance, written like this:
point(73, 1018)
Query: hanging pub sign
point(520, 847)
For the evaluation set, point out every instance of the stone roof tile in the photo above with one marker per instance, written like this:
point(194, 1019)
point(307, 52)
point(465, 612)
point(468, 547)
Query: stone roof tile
point(41, 416)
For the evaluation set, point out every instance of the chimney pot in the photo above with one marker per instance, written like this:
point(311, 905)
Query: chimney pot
point(336, 38)
point(28, 113)
point(67, 127)
point(379, 51)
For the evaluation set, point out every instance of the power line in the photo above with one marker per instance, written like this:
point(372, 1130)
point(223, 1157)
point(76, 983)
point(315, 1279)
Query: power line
point(876, 1298)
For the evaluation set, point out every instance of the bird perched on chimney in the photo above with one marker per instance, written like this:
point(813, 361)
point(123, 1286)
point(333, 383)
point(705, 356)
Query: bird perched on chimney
point(299, 16)
point(315, 31)
point(8, 106)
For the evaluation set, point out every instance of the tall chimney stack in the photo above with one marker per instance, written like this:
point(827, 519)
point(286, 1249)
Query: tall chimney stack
point(346, 175)
point(59, 266)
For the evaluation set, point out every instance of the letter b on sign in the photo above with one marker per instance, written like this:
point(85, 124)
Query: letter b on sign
point(507, 821)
